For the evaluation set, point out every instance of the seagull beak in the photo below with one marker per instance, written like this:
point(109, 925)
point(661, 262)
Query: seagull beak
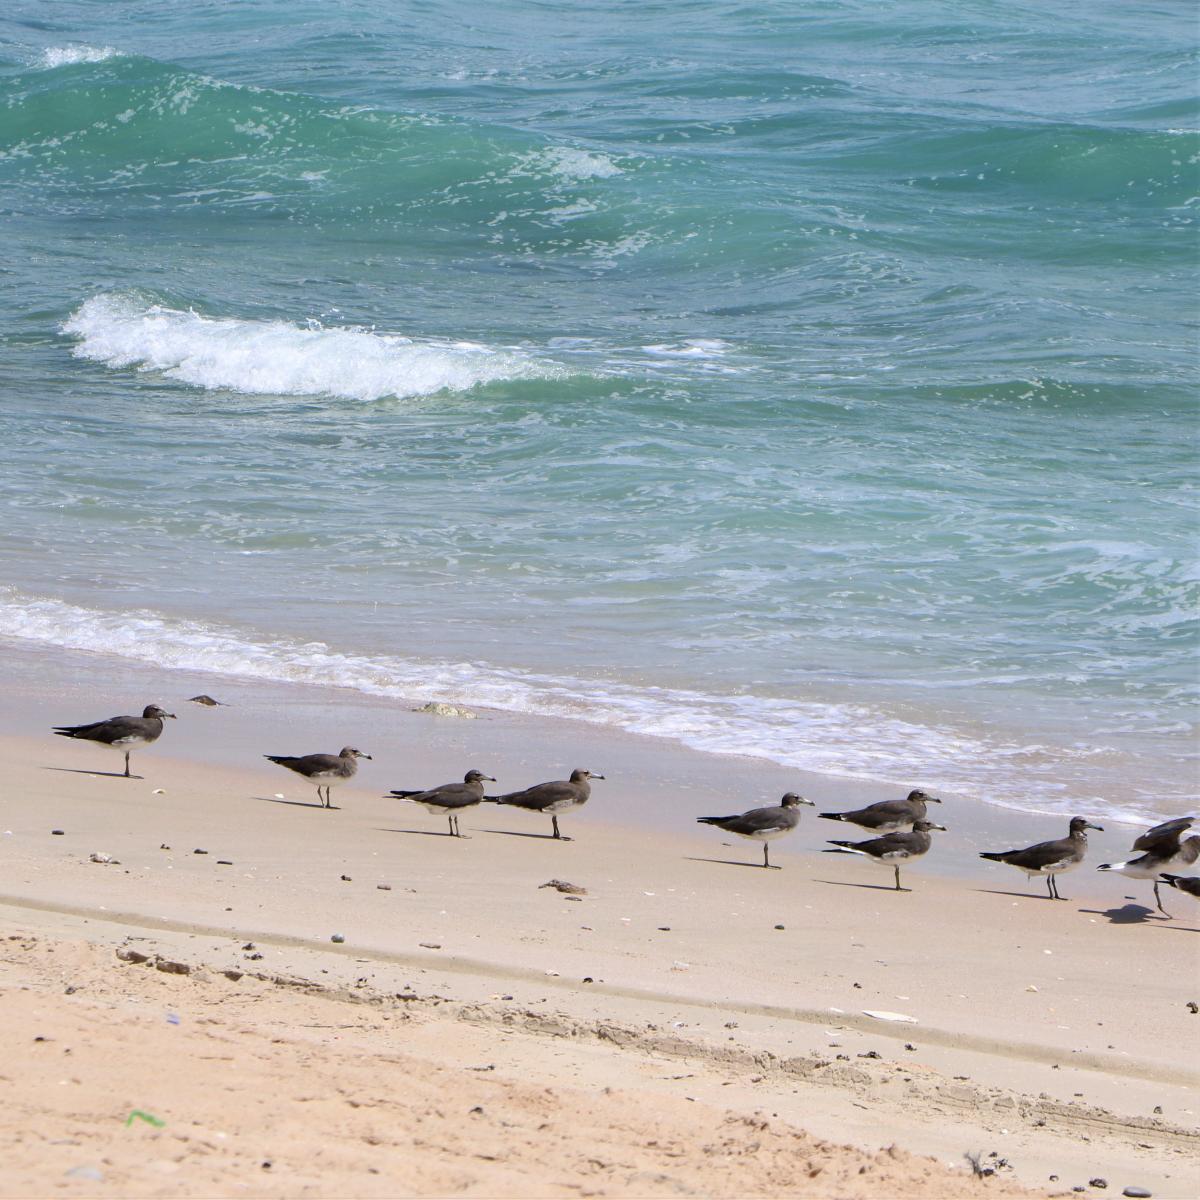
point(366, 756)
point(941, 827)
point(593, 775)
point(490, 778)
point(934, 799)
point(171, 715)
point(810, 803)
point(1089, 825)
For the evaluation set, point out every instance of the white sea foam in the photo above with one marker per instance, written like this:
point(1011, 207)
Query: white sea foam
point(65, 56)
point(847, 740)
point(569, 163)
point(280, 358)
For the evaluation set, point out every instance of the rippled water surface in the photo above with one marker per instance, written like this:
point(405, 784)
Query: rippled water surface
point(807, 380)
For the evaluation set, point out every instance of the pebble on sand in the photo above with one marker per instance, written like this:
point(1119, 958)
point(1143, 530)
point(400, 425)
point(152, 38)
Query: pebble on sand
point(438, 709)
point(338, 937)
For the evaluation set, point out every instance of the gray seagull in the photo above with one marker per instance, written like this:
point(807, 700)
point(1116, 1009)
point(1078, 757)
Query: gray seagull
point(1049, 858)
point(893, 848)
point(559, 796)
point(888, 816)
point(1165, 847)
point(124, 734)
point(763, 824)
point(450, 798)
point(323, 770)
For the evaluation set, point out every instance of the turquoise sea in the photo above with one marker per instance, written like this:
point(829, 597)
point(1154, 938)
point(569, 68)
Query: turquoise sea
point(807, 380)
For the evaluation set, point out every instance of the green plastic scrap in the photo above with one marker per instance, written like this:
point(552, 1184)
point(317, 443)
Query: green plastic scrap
point(149, 1118)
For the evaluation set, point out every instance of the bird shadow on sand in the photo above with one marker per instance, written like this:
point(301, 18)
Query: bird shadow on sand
point(541, 837)
point(438, 833)
point(294, 803)
point(101, 774)
point(1139, 914)
point(870, 887)
point(1020, 895)
point(733, 862)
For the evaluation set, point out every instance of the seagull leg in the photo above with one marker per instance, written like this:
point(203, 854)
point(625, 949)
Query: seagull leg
point(1158, 901)
point(766, 858)
point(554, 819)
point(897, 870)
point(450, 819)
point(127, 775)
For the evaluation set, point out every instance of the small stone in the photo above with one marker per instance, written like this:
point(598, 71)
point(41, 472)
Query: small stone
point(347, 879)
point(1098, 1183)
point(338, 938)
point(163, 846)
point(96, 857)
point(92, 1174)
point(588, 979)
point(383, 887)
point(778, 926)
point(249, 946)
point(909, 1046)
point(224, 862)
point(199, 851)
point(870, 1054)
point(1193, 1007)
point(438, 709)
point(430, 945)
point(1137, 1193)
point(561, 885)
point(664, 929)
point(171, 967)
point(1158, 1110)
point(56, 833)
point(132, 956)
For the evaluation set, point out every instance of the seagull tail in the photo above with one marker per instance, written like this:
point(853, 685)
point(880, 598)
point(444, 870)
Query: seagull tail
point(1110, 866)
point(1173, 880)
point(994, 855)
point(833, 816)
point(711, 820)
point(404, 795)
point(845, 848)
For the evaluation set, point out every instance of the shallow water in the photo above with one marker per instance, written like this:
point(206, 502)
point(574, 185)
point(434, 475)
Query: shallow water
point(811, 381)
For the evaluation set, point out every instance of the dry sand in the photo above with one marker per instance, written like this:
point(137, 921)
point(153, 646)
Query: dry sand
point(658, 1036)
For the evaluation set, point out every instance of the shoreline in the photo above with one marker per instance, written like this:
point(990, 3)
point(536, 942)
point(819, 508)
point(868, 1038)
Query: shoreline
point(679, 929)
point(829, 733)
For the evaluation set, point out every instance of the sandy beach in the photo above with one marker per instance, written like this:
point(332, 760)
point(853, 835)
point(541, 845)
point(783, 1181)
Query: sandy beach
point(691, 1025)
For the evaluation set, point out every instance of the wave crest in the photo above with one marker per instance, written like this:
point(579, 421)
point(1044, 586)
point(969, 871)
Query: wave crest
point(66, 56)
point(280, 358)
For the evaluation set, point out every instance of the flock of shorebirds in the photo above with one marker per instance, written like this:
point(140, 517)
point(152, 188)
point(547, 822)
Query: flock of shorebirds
point(900, 827)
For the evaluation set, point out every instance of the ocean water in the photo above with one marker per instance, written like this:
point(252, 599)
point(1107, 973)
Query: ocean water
point(806, 380)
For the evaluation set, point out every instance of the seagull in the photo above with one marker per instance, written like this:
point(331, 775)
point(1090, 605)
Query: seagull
point(1184, 883)
point(1165, 847)
point(450, 797)
point(893, 848)
point(763, 824)
point(121, 733)
point(323, 770)
point(557, 797)
point(887, 816)
point(1049, 858)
